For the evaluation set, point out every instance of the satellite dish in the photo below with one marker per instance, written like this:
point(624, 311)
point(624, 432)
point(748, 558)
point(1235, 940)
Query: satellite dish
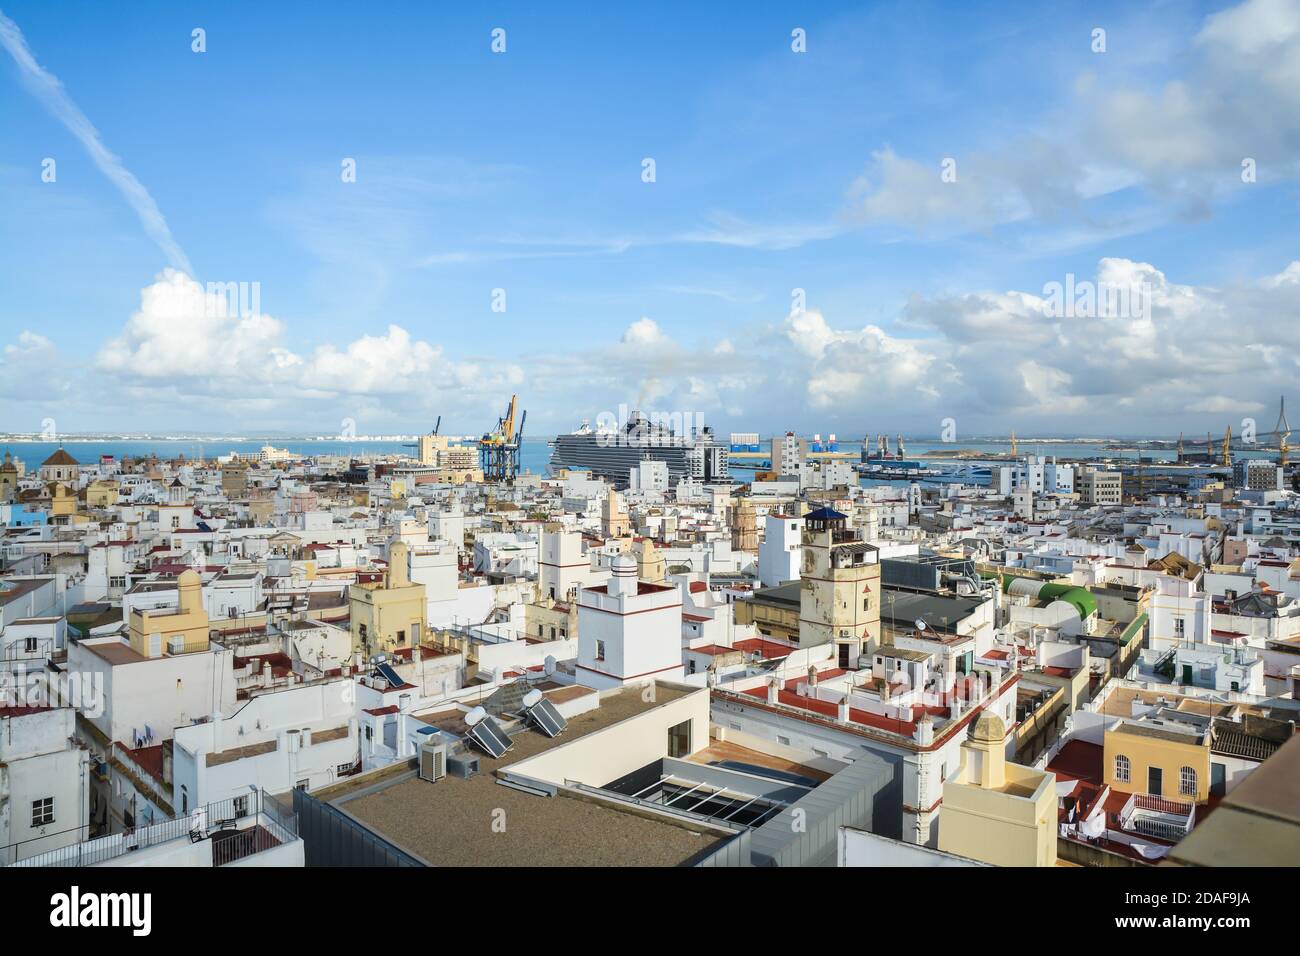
point(475, 716)
point(920, 624)
point(532, 698)
point(549, 664)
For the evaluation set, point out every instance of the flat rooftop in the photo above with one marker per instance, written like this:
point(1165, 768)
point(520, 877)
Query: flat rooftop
point(451, 822)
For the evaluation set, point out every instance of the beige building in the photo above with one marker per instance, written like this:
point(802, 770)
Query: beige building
point(234, 479)
point(613, 520)
point(389, 614)
point(1101, 488)
point(998, 812)
point(839, 588)
point(60, 467)
point(154, 633)
point(101, 494)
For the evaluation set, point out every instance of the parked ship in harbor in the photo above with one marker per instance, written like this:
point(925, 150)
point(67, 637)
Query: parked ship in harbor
point(610, 453)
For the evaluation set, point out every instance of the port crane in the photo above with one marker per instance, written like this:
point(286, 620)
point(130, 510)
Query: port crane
point(498, 450)
point(1221, 452)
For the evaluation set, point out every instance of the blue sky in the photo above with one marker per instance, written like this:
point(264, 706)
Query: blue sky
point(775, 171)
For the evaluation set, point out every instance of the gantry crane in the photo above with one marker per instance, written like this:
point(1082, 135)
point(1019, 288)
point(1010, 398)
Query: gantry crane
point(498, 450)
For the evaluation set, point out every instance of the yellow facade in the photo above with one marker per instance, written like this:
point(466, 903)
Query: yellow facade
point(154, 633)
point(771, 621)
point(998, 812)
point(63, 503)
point(1182, 761)
point(390, 614)
point(839, 595)
point(101, 494)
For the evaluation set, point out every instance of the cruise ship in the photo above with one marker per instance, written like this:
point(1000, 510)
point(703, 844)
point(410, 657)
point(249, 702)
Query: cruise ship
point(610, 453)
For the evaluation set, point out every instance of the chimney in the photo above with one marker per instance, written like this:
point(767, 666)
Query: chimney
point(812, 676)
point(844, 709)
point(773, 687)
point(924, 730)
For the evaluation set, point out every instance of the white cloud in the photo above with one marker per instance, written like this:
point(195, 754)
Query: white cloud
point(643, 331)
point(1184, 142)
point(185, 336)
point(992, 360)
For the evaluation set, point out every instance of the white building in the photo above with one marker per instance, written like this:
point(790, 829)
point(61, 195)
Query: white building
point(649, 476)
point(304, 737)
point(629, 631)
point(779, 553)
point(44, 782)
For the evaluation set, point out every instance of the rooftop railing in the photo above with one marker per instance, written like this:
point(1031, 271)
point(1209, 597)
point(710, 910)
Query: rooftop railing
point(231, 824)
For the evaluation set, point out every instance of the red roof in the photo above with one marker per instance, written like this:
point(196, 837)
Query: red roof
point(828, 709)
point(764, 648)
point(1079, 760)
point(712, 650)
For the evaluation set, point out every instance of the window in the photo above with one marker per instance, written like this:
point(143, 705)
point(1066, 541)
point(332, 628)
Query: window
point(241, 806)
point(679, 739)
point(1180, 627)
point(600, 650)
point(1187, 782)
point(117, 581)
point(43, 812)
point(1123, 769)
point(302, 784)
point(29, 645)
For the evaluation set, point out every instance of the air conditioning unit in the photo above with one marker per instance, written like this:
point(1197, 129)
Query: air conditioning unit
point(433, 762)
point(176, 644)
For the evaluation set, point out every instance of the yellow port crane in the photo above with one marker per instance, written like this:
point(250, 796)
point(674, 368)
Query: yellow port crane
point(498, 450)
point(1013, 444)
point(1227, 448)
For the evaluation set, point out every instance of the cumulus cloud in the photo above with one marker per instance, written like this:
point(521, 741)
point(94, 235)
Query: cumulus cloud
point(643, 332)
point(1184, 142)
point(189, 336)
point(848, 364)
point(994, 360)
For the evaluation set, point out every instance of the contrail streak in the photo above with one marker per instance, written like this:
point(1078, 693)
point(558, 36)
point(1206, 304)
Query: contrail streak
point(46, 87)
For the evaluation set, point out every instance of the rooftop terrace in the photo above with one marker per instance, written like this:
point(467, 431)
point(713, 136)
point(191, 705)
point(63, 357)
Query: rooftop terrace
point(451, 822)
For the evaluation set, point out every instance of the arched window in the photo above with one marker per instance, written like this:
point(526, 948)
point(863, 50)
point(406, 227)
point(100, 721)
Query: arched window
point(1123, 769)
point(1187, 782)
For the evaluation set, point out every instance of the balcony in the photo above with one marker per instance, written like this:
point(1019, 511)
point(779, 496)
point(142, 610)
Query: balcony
point(1157, 817)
